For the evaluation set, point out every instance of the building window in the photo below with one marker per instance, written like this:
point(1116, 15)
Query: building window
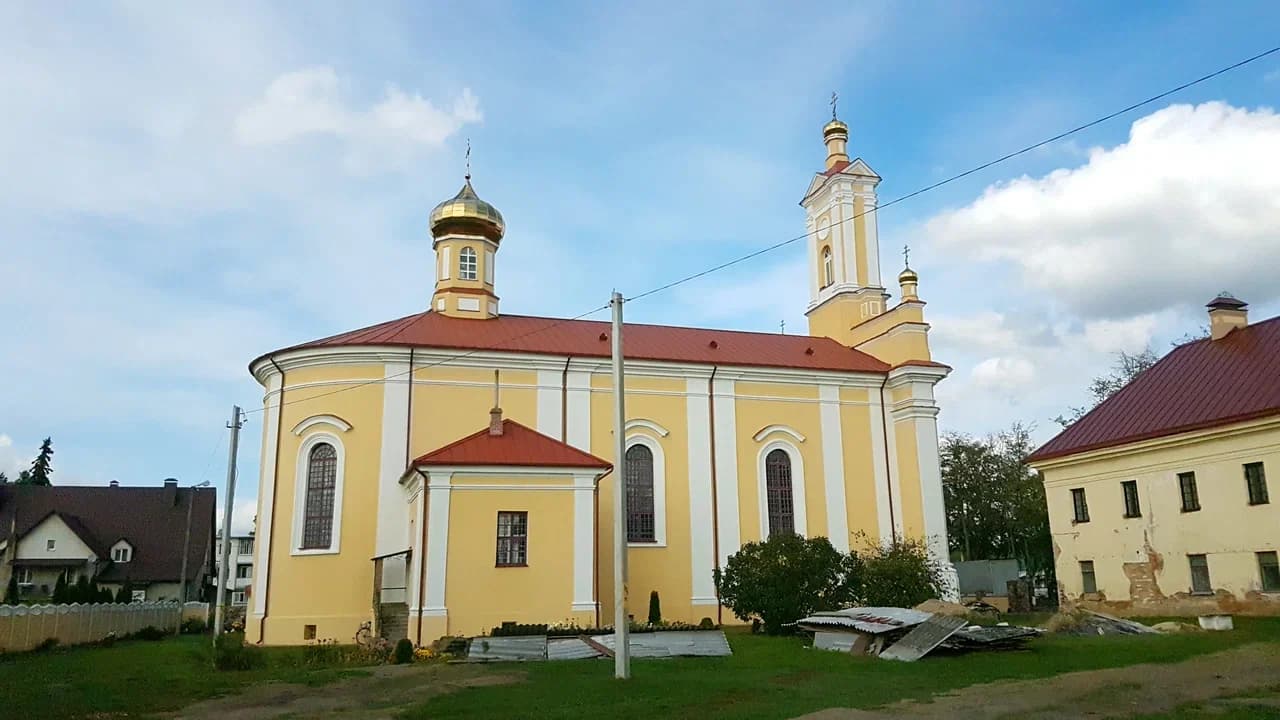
point(308, 632)
point(828, 267)
point(1256, 479)
point(138, 596)
point(246, 546)
point(244, 571)
point(1269, 569)
point(1088, 580)
point(1200, 574)
point(1190, 496)
point(1131, 507)
point(513, 539)
point(639, 478)
point(1080, 505)
point(23, 575)
point(467, 264)
point(238, 597)
point(777, 483)
point(322, 474)
point(120, 555)
point(49, 545)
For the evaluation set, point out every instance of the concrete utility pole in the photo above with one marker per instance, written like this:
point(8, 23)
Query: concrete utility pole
point(621, 646)
point(228, 505)
point(186, 549)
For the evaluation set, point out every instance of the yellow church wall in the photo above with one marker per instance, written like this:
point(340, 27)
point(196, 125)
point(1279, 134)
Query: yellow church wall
point(752, 415)
point(450, 403)
point(912, 509)
point(859, 467)
point(834, 317)
point(338, 610)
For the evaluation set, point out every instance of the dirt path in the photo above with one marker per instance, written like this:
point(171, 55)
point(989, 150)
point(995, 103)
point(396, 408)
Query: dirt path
point(376, 696)
point(1114, 693)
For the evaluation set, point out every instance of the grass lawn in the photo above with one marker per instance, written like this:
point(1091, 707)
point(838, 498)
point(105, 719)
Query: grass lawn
point(778, 677)
point(135, 677)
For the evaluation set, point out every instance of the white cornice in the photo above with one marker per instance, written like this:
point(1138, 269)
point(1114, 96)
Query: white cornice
point(768, 430)
point(331, 420)
point(646, 424)
point(904, 374)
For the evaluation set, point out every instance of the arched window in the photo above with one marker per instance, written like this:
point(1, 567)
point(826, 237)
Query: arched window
point(467, 264)
point(322, 476)
point(828, 267)
point(777, 482)
point(639, 479)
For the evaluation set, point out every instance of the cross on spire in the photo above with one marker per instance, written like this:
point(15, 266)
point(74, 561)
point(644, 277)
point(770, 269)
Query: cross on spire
point(906, 255)
point(834, 98)
point(468, 156)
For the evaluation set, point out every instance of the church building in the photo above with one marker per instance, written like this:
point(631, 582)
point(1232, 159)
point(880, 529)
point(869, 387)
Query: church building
point(452, 470)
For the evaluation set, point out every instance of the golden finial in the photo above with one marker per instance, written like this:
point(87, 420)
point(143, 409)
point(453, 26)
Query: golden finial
point(834, 98)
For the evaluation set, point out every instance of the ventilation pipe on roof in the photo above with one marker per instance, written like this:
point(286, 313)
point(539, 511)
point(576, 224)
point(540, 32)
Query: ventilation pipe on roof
point(1226, 313)
point(114, 483)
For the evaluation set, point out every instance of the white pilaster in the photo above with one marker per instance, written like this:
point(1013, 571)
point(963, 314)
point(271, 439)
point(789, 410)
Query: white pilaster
point(393, 512)
point(879, 467)
point(437, 543)
point(549, 405)
point(701, 536)
point(841, 228)
point(583, 542)
point(578, 399)
point(418, 501)
point(833, 467)
point(726, 458)
point(266, 492)
point(872, 239)
point(895, 476)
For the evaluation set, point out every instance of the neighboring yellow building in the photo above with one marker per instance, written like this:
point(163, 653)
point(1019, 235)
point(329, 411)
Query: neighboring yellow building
point(1158, 499)
point(731, 436)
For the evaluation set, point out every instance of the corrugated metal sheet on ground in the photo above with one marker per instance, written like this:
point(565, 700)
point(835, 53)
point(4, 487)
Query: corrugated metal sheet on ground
point(570, 649)
point(873, 620)
point(486, 649)
point(700, 643)
point(923, 638)
point(838, 641)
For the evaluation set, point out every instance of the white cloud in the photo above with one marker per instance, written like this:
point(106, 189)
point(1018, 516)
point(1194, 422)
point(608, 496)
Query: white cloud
point(1004, 374)
point(1188, 206)
point(1129, 335)
point(243, 514)
point(313, 101)
point(10, 464)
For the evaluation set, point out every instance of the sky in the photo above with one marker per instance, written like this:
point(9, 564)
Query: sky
point(187, 187)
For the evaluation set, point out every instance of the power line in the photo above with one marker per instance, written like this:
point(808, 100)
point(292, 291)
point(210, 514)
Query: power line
point(789, 241)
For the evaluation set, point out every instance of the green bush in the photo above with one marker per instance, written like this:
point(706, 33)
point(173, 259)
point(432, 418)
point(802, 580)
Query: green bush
point(518, 630)
point(229, 653)
point(706, 624)
point(655, 608)
point(150, 632)
point(194, 626)
point(785, 578)
point(404, 651)
point(46, 645)
point(897, 574)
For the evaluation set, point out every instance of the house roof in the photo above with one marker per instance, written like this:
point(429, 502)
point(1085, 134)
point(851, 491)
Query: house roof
point(1199, 385)
point(591, 338)
point(152, 518)
point(518, 445)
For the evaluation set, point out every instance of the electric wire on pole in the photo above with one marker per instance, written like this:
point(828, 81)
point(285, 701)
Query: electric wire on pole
point(237, 421)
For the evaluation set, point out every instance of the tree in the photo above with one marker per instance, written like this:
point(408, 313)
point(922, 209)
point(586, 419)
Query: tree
point(82, 592)
point(125, 593)
point(896, 574)
point(785, 578)
point(995, 504)
point(3, 478)
point(11, 591)
point(59, 596)
point(1125, 368)
point(655, 608)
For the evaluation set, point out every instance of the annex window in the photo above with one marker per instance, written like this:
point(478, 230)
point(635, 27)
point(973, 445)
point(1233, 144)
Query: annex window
point(1088, 580)
point(777, 483)
point(1080, 506)
point(238, 597)
point(1131, 507)
point(120, 555)
point(639, 478)
point(513, 539)
point(50, 544)
point(1200, 574)
point(1190, 495)
point(1269, 570)
point(244, 571)
point(322, 479)
point(1256, 479)
point(828, 267)
point(467, 264)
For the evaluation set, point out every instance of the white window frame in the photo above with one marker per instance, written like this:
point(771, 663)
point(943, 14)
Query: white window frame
point(238, 598)
point(300, 493)
point(248, 572)
point(800, 514)
point(659, 488)
point(24, 575)
point(50, 545)
point(468, 270)
point(444, 262)
point(488, 266)
point(828, 267)
point(121, 554)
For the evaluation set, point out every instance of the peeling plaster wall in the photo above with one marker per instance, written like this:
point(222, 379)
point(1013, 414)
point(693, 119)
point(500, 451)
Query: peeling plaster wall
point(1141, 563)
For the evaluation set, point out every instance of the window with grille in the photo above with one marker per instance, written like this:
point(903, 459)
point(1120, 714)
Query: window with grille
point(1079, 504)
point(1256, 479)
point(1088, 580)
point(1190, 495)
point(777, 484)
point(1200, 574)
point(513, 539)
point(322, 478)
point(639, 478)
point(467, 264)
point(1269, 569)
point(1131, 507)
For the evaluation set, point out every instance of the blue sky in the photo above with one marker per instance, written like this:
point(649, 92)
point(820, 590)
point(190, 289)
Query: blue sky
point(188, 188)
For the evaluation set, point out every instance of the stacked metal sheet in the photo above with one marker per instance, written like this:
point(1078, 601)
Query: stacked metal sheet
point(496, 649)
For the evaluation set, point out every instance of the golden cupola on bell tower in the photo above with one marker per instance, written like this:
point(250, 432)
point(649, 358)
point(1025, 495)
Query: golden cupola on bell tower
point(466, 232)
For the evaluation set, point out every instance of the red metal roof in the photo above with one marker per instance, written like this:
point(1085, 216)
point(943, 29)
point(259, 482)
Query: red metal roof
point(590, 338)
point(1199, 385)
point(517, 445)
point(837, 168)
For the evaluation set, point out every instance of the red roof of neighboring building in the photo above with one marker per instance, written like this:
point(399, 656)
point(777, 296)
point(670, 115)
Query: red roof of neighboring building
point(517, 445)
point(591, 338)
point(1199, 385)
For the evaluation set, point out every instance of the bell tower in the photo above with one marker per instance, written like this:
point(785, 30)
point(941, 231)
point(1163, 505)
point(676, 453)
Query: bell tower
point(465, 233)
point(845, 288)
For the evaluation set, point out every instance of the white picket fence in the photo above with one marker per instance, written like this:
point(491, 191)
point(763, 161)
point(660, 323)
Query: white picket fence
point(23, 627)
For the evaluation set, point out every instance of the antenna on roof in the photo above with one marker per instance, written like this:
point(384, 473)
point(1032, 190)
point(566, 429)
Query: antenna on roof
point(782, 327)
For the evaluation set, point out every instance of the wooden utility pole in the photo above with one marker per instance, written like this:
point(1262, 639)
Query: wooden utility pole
point(227, 507)
point(622, 649)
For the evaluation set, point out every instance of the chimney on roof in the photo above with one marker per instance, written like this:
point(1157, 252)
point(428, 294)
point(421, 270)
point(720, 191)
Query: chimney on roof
point(114, 483)
point(171, 490)
point(495, 415)
point(1226, 313)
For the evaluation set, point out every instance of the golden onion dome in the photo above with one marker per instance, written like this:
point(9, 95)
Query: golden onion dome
point(467, 212)
point(835, 126)
point(908, 275)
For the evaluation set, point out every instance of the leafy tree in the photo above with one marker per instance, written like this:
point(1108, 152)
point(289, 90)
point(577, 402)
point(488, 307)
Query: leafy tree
point(655, 608)
point(995, 504)
point(83, 592)
point(785, 578)
point(103, 596)
point(3, 478)
point(125, 593)
point(59, 596)
point(1125, 368)
point(11, 592)
point(896, 574)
